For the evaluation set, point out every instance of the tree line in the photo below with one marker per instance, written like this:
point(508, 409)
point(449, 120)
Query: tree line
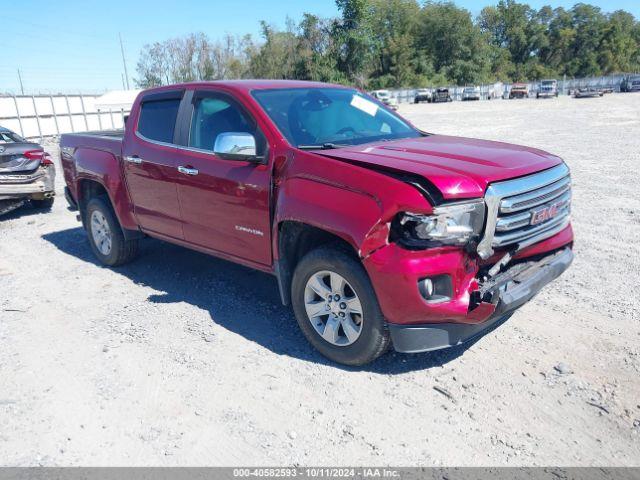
point(401, 43)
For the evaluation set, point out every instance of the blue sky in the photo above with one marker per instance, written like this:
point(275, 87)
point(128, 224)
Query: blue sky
point(72, 45)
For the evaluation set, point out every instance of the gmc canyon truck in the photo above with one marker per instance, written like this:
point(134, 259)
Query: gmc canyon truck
point(378, 233)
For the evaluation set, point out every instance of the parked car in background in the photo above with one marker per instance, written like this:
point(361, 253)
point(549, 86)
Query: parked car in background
point(548, 89)
point(471, 93)
point(519, 90)
point(27, 172)
point(385, 97)
point(441, 95)
point(378, 234)
point(588, 92)
point(631, 83)
point(422, 95)
point(495, 91)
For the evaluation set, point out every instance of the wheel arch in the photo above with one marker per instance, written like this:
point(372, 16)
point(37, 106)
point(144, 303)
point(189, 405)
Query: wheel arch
point(294, 240)
point(104, 168)
point(91, 187)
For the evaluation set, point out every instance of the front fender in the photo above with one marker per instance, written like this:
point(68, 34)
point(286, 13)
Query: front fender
point(347, 212)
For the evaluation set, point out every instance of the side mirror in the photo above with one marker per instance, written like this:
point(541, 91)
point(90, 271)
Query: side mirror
point(236, 146)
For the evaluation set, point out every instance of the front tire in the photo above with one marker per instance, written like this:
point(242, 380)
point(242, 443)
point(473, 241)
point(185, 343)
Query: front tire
point(337, 309)
point(105, 234)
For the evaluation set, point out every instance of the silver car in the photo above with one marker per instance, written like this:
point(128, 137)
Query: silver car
point(471, 93)
point(27, 172)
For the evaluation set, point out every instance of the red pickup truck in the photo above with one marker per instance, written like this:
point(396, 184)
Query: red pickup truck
point(378, 233)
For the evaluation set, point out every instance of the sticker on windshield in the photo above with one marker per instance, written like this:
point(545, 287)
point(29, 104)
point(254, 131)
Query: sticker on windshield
point(365, 105)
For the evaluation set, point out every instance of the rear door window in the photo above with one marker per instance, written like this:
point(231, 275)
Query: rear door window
point(157, 120)
point(10, 137)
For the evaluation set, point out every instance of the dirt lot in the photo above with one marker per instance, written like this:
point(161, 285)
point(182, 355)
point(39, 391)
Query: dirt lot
point(182, 359)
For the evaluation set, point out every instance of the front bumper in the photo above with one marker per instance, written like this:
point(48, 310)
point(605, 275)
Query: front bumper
point(37, 185)
point(507, 292)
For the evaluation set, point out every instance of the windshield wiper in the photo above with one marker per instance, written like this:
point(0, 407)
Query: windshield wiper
point(324, 146)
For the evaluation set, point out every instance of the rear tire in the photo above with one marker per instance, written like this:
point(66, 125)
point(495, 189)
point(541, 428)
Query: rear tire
point(105, 234)
point(355, 339)
point(43, 204)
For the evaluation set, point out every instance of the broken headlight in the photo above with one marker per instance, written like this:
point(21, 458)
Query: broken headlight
point(453, 224)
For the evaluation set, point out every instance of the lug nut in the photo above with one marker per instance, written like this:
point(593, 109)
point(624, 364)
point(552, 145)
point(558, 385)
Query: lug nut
point(343, 305)
point(336, 297)
point(342, 314)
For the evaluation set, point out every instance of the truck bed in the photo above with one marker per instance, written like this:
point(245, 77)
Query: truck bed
point(108, 140)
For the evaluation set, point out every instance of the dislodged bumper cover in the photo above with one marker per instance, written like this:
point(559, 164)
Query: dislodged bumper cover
point(508, 293)
point(37, 184)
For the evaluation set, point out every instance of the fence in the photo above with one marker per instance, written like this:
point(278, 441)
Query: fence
point(565, 86)
point(41, 116)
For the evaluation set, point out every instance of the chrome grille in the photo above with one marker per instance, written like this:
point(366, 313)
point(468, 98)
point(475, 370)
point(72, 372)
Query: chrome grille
point(513, 204)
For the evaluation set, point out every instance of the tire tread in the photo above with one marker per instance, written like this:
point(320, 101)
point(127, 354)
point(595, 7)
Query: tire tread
point(331, 255)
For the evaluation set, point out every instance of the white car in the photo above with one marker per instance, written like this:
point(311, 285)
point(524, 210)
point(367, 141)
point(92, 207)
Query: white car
point(385, 97)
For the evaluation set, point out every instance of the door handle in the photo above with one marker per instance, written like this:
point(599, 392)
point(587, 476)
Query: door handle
point(188, 171)
point(133, 159)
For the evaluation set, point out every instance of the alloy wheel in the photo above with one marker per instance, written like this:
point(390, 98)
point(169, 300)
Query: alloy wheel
point(333, 308)
point(101, 232)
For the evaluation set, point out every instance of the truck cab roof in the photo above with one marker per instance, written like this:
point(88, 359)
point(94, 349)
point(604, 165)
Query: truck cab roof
point(247, 85)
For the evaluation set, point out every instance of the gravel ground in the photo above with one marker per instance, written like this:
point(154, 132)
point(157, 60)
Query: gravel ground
point(183, 359)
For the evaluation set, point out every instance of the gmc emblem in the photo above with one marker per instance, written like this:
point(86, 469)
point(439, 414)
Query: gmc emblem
point(545, 213)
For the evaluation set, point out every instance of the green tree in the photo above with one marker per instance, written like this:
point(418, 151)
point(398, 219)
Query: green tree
point(396, 43)
point(448, 40)
point(355, 38)
point(276, 58)
point(317, 51)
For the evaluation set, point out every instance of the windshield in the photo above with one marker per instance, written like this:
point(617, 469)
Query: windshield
point(318, 116)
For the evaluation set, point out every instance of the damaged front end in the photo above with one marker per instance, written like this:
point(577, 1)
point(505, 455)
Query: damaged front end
point(449, 275)
point(491, 301)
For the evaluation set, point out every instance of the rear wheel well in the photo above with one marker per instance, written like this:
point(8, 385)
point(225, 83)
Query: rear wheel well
point(88, 189)
point(295, 240)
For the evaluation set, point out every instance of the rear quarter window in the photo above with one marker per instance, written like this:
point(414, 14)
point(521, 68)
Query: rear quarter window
point(158, 119)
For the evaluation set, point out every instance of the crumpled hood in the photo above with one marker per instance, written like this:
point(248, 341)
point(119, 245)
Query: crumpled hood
point(458, 167)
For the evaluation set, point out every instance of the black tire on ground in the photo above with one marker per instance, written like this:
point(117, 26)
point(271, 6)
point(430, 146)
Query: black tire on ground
point(122, 250)
point(44, 204)
point(374, 337)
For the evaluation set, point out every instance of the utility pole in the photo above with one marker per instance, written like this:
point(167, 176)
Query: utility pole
point(20, 78)
point(123, 87)
point(126, 75)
